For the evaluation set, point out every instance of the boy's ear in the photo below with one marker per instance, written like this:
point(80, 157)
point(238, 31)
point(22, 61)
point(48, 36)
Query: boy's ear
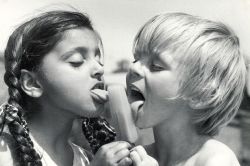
point(30, 84)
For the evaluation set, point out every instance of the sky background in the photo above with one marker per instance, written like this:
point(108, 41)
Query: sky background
point(119, 20)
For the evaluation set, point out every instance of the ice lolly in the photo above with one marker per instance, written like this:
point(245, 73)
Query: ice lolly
point(121, 114)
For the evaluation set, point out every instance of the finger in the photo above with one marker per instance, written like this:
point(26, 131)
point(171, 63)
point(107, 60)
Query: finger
point(121, 154)
point(120, 146)
point(125, 162)
point(134, 156)
point(141, 151)
point(110, 145)
point(106, 147)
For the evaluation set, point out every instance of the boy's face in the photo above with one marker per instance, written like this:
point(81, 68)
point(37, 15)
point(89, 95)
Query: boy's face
point(71, 74)
point(152, 81)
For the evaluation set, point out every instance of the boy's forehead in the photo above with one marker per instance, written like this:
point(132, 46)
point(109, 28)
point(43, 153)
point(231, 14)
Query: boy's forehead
point(168, 59)
point(165, 57)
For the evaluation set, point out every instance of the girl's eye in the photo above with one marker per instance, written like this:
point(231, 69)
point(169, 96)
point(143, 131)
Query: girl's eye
point(157, 68)
point(76, 60)
point(76, 63)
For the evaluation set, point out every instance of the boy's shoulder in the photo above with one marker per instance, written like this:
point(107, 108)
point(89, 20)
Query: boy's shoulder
point(215, 153)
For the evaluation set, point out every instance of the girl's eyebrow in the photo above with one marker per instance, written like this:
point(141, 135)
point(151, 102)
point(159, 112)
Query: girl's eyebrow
point(81, 50)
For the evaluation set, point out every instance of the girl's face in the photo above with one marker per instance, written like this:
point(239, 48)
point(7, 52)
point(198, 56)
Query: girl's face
point(71, 74)
point(152, 81)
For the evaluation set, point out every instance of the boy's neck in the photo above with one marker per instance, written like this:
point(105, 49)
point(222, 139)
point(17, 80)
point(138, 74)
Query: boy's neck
point(176, 140)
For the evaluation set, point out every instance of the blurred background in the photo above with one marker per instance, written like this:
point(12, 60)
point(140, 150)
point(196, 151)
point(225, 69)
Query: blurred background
point(118, 21)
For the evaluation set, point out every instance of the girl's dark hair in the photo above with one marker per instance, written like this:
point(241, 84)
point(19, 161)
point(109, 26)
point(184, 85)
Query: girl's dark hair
point(25, 49)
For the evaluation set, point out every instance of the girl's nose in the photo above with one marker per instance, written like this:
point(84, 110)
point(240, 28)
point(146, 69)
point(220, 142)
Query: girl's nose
point(98, 70)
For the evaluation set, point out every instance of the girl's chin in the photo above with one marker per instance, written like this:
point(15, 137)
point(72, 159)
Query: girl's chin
point(95, 111)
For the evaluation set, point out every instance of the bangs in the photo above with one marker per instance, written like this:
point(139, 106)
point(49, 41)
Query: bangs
point(164, 34)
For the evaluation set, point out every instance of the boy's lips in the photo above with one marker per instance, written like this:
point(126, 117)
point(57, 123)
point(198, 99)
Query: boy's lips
point(136, 100)
point(137, 109)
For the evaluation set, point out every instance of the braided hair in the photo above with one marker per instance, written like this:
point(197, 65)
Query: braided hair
point(25, 49)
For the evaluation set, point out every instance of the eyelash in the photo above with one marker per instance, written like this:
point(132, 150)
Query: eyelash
point(76, 64)
point(157, 68)
point(134, 61)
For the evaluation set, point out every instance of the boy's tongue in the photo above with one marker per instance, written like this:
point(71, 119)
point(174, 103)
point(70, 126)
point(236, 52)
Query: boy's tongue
point(136, 108)
point(100, 95)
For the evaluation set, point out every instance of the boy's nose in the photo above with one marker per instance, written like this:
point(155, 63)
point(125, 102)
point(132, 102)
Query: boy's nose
point(136, 71)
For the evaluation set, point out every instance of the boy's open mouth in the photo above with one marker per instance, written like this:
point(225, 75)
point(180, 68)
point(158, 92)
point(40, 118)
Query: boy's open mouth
point(136, 100)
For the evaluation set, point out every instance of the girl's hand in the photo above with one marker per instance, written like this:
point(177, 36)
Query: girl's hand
point(140, 157)
point(113, 154)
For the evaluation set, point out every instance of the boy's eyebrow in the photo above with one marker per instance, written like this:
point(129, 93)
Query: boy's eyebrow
point(170, 61)
point(139, 54)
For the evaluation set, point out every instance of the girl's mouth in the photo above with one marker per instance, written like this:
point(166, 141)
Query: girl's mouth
point(99, 94)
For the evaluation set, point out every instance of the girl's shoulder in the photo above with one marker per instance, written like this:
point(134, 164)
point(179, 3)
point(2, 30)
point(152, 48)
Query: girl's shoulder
point(215, 153)
point(81, 156)
point(6, 144)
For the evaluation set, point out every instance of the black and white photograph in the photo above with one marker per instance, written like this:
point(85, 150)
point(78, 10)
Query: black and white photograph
point(124, 83)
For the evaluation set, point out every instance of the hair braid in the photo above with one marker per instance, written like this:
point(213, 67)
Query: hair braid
point(25, 152)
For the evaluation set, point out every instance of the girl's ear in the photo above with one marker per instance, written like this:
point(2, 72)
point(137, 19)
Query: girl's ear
point(30, 84)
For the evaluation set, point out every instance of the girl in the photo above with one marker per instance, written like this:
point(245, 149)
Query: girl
point(54, 74)
point(186, 82)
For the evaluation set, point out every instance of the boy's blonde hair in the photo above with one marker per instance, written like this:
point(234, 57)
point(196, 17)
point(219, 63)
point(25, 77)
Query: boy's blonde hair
point(211, 68)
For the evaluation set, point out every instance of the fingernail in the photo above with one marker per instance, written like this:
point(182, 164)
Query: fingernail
point(132, 149)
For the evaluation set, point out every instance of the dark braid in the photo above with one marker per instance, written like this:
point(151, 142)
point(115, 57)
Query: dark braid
point(25, 152)
point(98, 132)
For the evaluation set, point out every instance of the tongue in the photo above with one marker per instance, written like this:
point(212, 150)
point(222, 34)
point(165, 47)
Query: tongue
point(101, 94)
point(135, 106)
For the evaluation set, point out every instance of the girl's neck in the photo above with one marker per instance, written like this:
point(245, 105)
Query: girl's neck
point(50, 127)
point(176, 140)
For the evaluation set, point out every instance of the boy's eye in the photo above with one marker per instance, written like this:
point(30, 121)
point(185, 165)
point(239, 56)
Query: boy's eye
point(134, 61)
point(155, 67)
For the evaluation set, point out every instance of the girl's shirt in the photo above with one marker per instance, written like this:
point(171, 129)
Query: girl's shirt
point(81, 156)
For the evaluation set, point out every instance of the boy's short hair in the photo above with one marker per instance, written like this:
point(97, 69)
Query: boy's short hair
point(211, 67)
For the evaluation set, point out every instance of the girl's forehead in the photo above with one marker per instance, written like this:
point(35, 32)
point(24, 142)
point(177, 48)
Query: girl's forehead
point(78, 38)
